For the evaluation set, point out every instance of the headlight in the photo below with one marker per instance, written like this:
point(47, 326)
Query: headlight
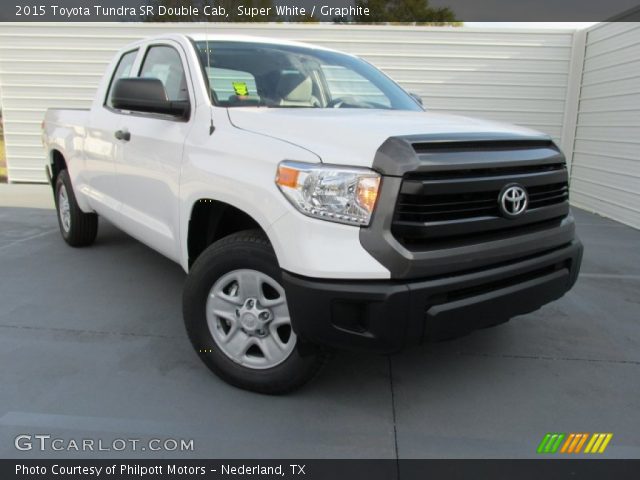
point(338, 194)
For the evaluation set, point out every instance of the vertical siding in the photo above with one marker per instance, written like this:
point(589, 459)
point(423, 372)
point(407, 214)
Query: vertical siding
point(517, 76)
point(605, 173)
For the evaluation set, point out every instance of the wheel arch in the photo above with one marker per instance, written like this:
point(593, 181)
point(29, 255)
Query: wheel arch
point(56, 164)
point(210, 220)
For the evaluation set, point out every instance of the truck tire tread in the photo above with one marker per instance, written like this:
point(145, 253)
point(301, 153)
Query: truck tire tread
point(84, 226)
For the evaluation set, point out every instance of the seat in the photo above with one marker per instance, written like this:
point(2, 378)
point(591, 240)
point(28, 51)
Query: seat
point(296, 90)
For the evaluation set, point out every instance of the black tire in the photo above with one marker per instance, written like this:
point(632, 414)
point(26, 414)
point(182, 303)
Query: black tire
point(82, 228)
point(248, 249)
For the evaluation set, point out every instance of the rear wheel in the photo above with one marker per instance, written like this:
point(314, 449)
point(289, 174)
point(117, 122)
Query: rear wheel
point(78, 229)
point(235, 310)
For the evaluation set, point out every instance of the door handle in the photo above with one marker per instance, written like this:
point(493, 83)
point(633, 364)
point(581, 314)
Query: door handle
point(123, 135)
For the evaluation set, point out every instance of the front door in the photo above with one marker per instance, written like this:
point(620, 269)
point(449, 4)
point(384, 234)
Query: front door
point(149, 171)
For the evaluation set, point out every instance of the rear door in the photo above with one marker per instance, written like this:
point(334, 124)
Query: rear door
point(102, 149)
point(149, 170)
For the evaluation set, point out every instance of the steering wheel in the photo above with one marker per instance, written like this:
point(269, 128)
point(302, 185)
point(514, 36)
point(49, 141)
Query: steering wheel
point(344, 102)
point(348, 102)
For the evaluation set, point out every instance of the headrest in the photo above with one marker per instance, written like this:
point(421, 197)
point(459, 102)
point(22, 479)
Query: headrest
point(295, 87)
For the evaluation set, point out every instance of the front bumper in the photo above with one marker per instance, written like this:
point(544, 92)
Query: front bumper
point(386, 316)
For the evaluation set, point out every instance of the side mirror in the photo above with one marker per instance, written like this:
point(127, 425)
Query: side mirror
point(146, 95)
point(417, 98)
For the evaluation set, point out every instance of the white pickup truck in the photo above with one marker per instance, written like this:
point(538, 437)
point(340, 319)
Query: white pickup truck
point(312, 201)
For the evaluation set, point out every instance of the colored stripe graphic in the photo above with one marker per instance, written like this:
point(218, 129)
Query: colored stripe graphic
point(605, 443)
point(581, 442)
point(550, 443)
point(598, 443)
point(565, 447)
point(574, 442)
point(557, 443)
point(576, 439)
point(543, 443)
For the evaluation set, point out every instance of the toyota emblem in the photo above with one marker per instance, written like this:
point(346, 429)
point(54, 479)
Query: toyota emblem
point(513, 200)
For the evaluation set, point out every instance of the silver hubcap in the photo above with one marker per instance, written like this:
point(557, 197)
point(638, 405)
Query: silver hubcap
point(63, 208)
point(248, 318)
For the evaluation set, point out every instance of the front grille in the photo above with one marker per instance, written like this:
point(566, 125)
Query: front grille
point(458, 206)
point(487, 172)
point(545, 195)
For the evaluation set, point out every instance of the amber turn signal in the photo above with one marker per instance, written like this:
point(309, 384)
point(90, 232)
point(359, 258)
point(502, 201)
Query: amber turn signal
point(287, 177)
point(367, 192)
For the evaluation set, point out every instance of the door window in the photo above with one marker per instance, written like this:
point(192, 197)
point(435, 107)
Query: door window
point(164, 63)
point(123, 70)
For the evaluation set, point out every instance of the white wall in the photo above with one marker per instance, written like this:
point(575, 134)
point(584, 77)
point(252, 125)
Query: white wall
point(605, 176)
point(518, 76)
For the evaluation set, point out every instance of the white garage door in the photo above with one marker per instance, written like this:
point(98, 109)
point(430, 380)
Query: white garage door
point(518, 76)
point(606, 162)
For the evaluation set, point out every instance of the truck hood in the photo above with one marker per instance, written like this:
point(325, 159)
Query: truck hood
point(352, 136)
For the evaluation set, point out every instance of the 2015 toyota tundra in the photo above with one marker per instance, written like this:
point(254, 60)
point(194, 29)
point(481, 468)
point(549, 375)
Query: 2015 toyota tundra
point(312, 201)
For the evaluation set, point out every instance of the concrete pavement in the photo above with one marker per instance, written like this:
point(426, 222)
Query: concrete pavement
point(92, 346)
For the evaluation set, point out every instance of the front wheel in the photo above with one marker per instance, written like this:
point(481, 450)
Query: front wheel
point(236, 314)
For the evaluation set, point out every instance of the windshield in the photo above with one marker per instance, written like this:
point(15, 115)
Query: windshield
point(244, 74)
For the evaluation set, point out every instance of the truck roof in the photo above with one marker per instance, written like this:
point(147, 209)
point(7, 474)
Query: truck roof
point(213, 37)
point(250, 38)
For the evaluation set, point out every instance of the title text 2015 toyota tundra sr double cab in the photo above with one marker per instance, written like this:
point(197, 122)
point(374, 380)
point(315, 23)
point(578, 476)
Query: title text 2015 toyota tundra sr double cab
point(313, 202)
